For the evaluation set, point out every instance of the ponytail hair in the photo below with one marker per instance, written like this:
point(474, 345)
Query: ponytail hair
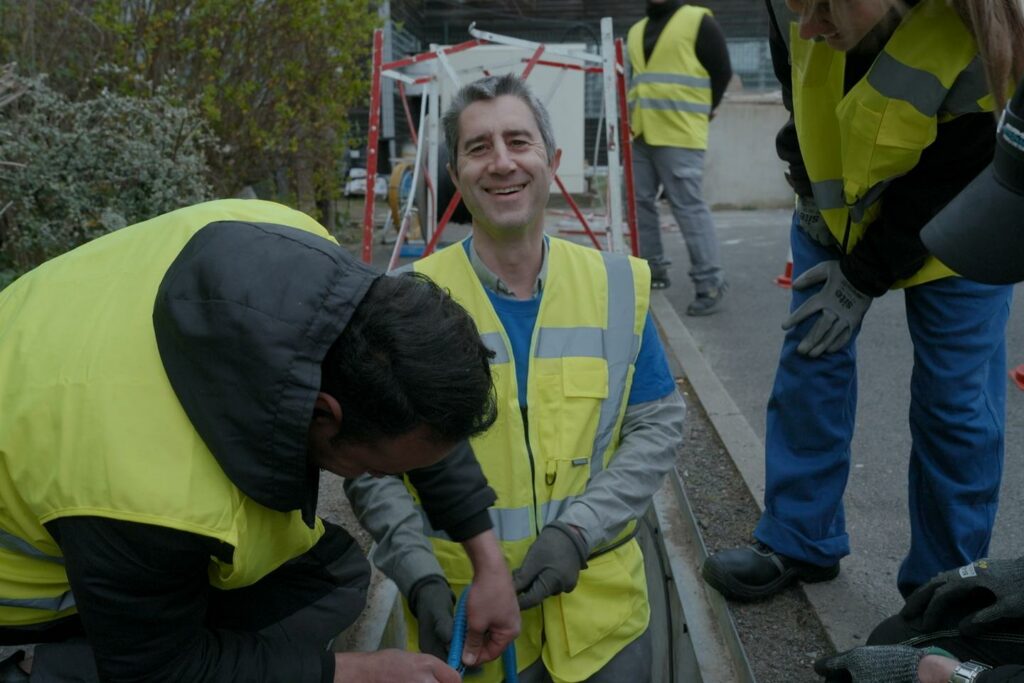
point(998, 28)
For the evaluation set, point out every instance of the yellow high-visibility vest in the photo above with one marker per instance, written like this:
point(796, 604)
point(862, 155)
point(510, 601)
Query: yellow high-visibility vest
point(90, 425)
point(670, 95)
point(855, 144)
point(582, 356)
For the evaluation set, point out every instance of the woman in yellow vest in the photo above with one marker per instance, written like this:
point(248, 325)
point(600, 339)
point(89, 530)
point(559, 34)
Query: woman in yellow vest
point(892, 113)
point(168, 396)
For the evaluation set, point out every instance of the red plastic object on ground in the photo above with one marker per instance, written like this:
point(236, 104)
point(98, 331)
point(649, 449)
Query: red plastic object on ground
point(786, 279)
point(1017, 375)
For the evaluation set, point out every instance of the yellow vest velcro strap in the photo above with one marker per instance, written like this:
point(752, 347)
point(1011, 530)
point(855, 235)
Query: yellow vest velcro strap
point(494, 342)
point(22, 547)
point(970, 88)
point(621, 347)
point(510, 524)
point(674, 79)
point(556, 342)
point(57, 603)
point(674, 105)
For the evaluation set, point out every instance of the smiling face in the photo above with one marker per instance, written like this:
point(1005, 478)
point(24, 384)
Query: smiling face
point(502, 167)
point(840, 23)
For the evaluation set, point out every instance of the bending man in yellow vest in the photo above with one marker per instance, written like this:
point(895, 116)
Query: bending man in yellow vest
point(589, 419)
point(680, 69)
point(169, 394)
point(892, 118)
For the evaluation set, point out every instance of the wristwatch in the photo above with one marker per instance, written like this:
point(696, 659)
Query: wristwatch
point(967, 672)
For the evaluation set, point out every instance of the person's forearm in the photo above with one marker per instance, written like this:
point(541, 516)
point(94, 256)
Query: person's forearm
point(484, 552)
point(385, 509)
point(620, 493)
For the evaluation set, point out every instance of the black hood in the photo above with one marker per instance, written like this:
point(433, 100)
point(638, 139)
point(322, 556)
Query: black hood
point(659, 10)
point(243, 319)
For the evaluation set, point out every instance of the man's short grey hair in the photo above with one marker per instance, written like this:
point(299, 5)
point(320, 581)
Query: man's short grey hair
point(490, 88)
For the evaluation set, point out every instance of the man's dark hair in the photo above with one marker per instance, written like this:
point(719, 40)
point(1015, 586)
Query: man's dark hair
point(410, 356)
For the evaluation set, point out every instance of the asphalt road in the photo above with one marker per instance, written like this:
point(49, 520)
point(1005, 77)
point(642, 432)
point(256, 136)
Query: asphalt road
point(741, 344)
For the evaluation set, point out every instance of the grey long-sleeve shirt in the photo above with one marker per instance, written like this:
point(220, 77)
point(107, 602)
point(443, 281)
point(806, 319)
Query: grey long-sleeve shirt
point(651, 433)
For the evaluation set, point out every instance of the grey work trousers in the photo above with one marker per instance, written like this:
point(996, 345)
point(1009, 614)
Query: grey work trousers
point(632, 663)
point(680, 171)
point(310, 599)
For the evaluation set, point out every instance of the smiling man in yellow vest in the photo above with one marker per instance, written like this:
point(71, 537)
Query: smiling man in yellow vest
point(169, 394)
point(680, 69)
point(589, 418)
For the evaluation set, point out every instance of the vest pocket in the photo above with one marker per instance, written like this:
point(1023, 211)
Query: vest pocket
point(609, 602)
point(584, 386)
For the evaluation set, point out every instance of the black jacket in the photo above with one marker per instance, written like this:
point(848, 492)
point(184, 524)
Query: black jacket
point(891, 248)
point(243, 319)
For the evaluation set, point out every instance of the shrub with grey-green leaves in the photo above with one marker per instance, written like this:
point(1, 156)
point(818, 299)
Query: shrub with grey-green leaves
point(71, 171)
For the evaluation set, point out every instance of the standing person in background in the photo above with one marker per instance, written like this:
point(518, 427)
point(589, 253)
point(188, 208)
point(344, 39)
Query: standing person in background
point(892, 118)
point(680, 69)
point(589, 419)
point(964, 625)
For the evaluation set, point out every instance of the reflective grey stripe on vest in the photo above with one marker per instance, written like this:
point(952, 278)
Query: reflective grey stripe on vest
point(674, 105)
point(553, 509)
point(58, 603)
point(969, 87)
point(22, 547)
point(672, 79)
point(924, 91)
point(897, 81)
point(621, 345)
point(555, 342)
point(510, 524)
point(494, 342)
point(828, 194)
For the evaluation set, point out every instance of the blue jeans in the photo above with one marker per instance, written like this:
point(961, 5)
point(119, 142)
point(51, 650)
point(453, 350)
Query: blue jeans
point(957, 416)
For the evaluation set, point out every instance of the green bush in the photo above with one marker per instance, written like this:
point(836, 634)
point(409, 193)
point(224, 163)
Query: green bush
point(71, 171)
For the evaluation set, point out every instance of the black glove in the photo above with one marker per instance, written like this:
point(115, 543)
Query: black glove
point(872, 664)
point(551, 566)
point(978, 593)
point(431, 601)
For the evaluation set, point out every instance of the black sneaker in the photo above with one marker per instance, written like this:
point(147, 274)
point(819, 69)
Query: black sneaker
point(758, 572)
point(708, 302)
point(659, 276)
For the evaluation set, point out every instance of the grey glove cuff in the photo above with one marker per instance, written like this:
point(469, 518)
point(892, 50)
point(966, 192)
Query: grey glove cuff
point(577, 540)
point(873, 664)
point(417, 590)
point(813, 224)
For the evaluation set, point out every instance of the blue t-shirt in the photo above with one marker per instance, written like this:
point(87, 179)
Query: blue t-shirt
point(651, 380)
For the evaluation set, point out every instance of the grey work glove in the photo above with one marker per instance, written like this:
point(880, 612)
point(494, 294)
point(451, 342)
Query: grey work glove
point(431, 601)
point(813, 223)
point(872, 664)
point(984, 591)
point(841, 306)
point(552, 565)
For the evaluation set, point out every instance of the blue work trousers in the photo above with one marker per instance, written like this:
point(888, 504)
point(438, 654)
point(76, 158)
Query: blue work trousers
point(957, 417)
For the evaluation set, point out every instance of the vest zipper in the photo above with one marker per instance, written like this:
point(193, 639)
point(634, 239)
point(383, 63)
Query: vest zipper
point(533, 466)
